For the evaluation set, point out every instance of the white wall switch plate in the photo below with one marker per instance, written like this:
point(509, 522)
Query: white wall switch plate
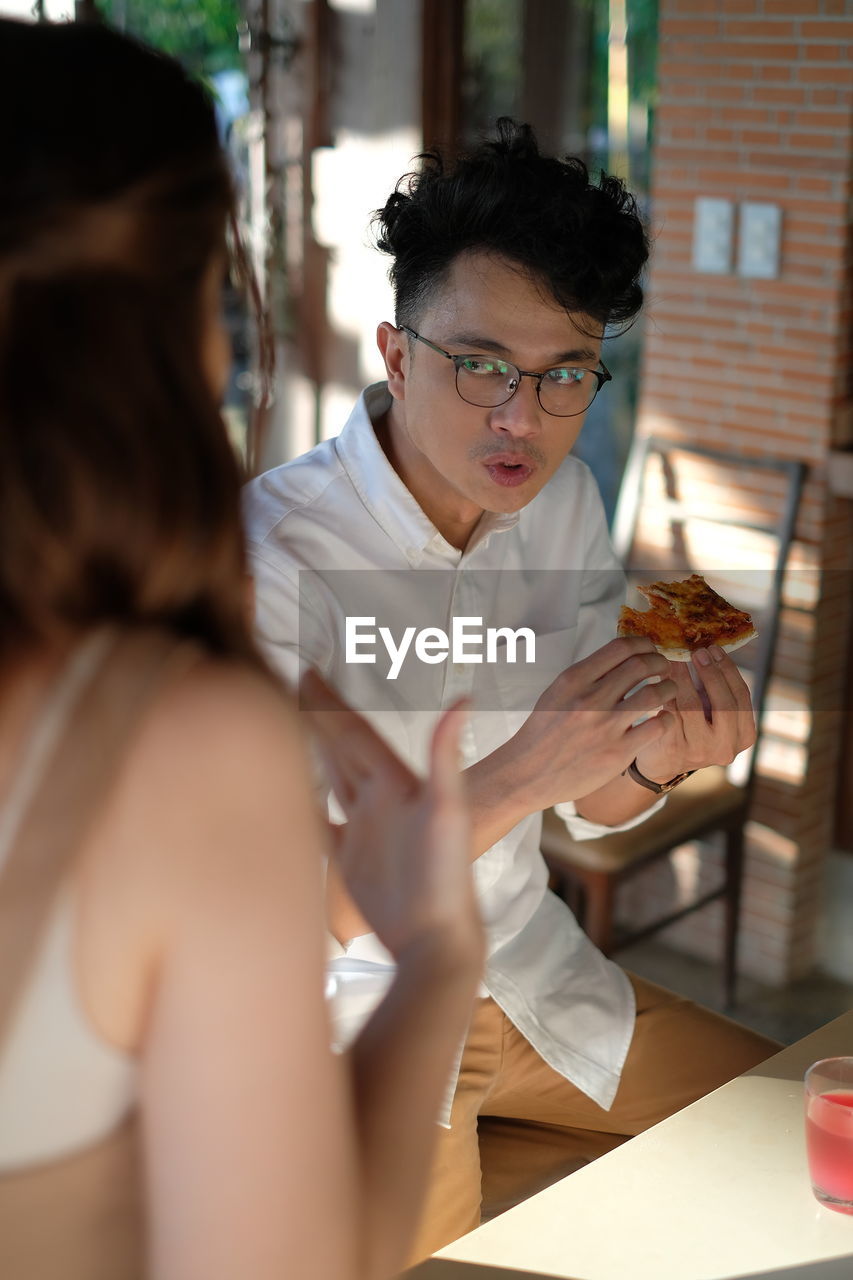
point(713, 229)
point(759, 241)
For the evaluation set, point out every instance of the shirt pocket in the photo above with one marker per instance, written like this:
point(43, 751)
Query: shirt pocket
point(518, 685)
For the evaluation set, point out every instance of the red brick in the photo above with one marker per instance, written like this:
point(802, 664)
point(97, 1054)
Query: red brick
point(828, 97)
point(693, 28)
point(774, 7)
point(725, 93)
point(679, 91)
point(800, 227)
point(720, 135)
point(748, 51)
point(805, 251)
point(685, 66)
point(823, 75)
point(833, 210)
point(745, 115)
point(838, 121)
point(768, 919)
point(800, 136)
point(827, 30)
point(678, 52)
point(789, 96)
point(777, 28)
point(822, 185)
point(677, 133)
point(790, 162)
point(681, 155)
point(825, 53)
point(686, 6)
point(769, 138)
point(723, 180)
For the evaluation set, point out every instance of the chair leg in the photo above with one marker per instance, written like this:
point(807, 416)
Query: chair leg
point(599, 894)
point(734, 881)
point(573, 896)
point(567, 887)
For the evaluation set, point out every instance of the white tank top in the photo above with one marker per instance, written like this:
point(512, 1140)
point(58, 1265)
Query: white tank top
point(62, 1087)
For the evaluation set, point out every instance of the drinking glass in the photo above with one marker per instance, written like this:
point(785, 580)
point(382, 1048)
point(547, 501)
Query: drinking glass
point(829, 1131)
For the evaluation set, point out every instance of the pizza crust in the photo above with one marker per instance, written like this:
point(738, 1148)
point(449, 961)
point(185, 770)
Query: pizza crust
point(685, 655)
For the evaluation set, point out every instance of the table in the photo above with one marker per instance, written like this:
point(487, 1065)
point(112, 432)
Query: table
point(719, 1190)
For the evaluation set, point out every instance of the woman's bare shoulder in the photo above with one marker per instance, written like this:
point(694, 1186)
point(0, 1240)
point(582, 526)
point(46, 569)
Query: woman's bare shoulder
point(221, 744)
point(212, 822)
point(221, 713)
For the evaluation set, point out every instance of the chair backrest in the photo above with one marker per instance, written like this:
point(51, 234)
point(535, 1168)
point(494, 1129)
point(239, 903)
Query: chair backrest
point(718, 493)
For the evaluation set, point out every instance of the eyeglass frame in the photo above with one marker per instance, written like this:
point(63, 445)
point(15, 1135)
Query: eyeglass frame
point(603, 375)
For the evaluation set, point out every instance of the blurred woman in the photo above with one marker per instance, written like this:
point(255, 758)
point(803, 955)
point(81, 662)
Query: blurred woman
point(169, 1104)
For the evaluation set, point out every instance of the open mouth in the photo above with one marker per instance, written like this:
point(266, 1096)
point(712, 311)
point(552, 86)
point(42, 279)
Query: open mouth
point(509, 472)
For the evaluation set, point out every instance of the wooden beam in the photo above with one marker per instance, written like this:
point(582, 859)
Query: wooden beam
point(443, 27)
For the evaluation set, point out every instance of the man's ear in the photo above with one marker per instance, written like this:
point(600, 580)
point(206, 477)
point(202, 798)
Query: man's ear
point(394, 348)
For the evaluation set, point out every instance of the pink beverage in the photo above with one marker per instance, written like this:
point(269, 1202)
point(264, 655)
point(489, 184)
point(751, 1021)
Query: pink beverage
point(829, 1141)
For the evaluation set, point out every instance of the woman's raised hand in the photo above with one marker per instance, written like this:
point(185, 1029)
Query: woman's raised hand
point(405, 851)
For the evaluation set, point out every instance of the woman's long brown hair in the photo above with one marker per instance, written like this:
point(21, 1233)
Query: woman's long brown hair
point(119, 491)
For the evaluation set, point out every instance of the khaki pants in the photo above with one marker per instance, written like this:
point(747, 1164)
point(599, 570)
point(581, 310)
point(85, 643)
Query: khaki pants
point(518, 1126)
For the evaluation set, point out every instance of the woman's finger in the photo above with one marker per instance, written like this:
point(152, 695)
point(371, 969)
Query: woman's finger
point(344, 790)
point(346, 766)
point(445, 750)
point(358, 751)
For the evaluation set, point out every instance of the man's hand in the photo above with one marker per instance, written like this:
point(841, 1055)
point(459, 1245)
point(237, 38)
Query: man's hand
point(704, 725)
point(583, 731)
point(405, 849)
point(581, 734)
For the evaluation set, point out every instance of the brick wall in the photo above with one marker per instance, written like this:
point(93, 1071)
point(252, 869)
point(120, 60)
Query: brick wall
point(755, 105)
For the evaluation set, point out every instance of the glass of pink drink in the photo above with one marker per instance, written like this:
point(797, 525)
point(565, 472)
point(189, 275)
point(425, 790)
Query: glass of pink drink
point(829, 1131)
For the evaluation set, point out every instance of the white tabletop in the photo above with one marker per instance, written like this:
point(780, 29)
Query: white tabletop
point(719, 1190)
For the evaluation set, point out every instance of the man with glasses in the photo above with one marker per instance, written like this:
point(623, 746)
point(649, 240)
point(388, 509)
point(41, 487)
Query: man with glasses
point(562, 392)
point(453, 482)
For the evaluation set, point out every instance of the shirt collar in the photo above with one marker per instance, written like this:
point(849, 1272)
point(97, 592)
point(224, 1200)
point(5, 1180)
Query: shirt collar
point(383, 492)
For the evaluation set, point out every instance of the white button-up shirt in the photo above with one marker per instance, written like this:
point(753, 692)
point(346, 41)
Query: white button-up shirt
point(313, 526)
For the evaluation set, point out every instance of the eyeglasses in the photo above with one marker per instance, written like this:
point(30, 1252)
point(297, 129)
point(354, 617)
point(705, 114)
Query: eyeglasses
point(487, 382)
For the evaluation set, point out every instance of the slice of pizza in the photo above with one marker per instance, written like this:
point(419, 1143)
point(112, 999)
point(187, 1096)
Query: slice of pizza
point(686, 616)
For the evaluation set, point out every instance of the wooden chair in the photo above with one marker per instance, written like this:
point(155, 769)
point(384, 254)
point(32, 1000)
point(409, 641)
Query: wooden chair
point(588, 873)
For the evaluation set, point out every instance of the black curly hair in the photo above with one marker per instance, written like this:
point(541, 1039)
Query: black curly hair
point(584, 241)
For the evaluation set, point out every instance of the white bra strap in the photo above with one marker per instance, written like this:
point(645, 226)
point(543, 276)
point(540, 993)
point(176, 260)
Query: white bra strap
point(55, 713)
